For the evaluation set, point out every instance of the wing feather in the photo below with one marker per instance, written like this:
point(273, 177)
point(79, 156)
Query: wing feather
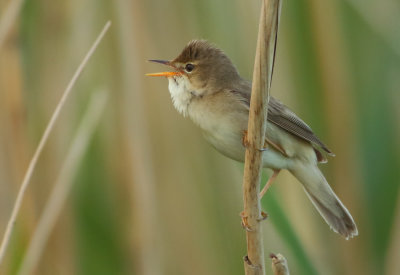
point(283, 117)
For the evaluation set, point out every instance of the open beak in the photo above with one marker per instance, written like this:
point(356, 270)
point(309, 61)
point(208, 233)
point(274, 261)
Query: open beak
point(166, 74)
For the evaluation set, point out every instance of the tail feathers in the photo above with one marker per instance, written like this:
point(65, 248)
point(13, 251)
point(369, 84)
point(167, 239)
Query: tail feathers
point(337, 217)
point(325, 200)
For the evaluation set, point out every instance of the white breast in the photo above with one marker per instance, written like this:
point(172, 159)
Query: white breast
point(222, 128)
point(180, 93)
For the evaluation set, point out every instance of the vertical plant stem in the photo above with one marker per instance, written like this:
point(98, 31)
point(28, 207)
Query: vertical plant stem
point(262, 75)
point(43, 140)
point(64, 182)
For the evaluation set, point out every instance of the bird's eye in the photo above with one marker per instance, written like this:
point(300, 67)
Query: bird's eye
point(189, 67)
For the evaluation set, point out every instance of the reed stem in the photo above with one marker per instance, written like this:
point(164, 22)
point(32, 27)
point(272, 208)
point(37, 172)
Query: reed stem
point(262, 76)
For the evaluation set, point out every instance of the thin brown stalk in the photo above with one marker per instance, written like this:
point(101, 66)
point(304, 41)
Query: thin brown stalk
point(8, 18)
point(262, 75)
point(64, 182)
point(43, 140)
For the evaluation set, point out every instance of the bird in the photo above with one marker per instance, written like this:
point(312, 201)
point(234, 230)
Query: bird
point(206, 86)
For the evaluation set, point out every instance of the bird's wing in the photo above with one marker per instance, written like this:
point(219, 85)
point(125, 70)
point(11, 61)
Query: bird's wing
point(283, 117)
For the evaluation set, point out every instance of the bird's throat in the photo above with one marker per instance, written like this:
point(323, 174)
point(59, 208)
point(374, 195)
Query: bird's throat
point(181, 92)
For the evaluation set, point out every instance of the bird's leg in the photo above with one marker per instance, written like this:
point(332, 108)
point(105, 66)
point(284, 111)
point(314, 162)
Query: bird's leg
point(276, 146)
point(264, 216)
point(245, 224)
point(269, 182)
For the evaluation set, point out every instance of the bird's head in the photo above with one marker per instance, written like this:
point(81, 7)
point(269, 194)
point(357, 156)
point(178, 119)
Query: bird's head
point(201, 67)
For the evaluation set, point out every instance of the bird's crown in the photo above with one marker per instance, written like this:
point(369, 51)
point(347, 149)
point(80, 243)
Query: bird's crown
point(197, 50)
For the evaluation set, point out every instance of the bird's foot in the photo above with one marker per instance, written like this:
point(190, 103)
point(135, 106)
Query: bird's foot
point(245, 223)
point(264, 216)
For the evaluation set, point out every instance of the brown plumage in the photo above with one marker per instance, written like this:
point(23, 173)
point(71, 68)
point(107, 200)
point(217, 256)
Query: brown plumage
point(206, 87)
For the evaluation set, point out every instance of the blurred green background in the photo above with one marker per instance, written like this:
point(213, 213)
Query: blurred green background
point(151, 197)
